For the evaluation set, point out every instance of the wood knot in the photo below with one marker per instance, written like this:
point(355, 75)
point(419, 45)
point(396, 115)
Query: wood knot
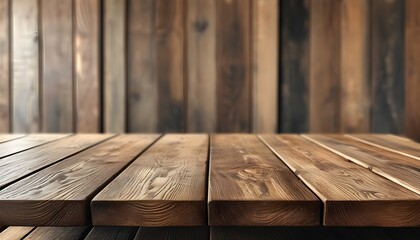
point(201, 25)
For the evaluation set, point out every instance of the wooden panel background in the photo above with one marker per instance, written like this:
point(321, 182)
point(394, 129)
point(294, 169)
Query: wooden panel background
point(209, 66)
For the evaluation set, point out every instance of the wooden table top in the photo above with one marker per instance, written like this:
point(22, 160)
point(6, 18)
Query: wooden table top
point(153, 180)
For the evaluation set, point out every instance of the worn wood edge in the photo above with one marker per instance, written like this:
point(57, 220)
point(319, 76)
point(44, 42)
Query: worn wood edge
point(14, 137)
point(17, 232)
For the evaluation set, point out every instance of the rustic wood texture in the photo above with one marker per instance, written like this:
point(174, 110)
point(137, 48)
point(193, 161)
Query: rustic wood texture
point(4, 66)
point(25, 66)
point(201, 30)
point(168, 179)
point(233, 54)
point(59, 195)
point(15, 233)
point(9, 137)
point(114, 61)
point(172, 233)
point(30, 141)
point(112, 233)
point(57, 65)
point(68, 233)
point(249, 185)
point(352, 195)
point(87, 65)
point(400, 169)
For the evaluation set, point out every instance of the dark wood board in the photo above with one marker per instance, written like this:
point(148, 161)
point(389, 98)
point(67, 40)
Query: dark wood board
point(112, 233)
point(173, 233)
point(65, 233)
point(27, 142)
point(4, 66)
point(15, 233)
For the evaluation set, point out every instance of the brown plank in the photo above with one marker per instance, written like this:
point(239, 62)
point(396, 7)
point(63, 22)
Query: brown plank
point(172, 233)
point(57, 65)
point(250, 186)
point(4, 66)
point(352, 195)
point(265, 62)
point(19, 165)
point(112, 233)
point(87, 65)
point(114, 60)
point(400, 169)
point(30, 141)
point(169, 178)
point(324, 65)
point(201, 30)
point(25, 66)
point(142, 87)
point(15, 233)
point(411, 69)
point(355, 79)
point(8, 137)
point(233, 65)
point(60, 194)
point(68, 233)
point(170, 64)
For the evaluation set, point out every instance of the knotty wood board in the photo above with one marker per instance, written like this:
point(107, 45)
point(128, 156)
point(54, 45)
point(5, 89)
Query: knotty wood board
point(60, 194)
point(352, 195)
point(250, 186)
point(27, 142)
point(402, 170)
point(112, 233)
point(8, 137)
point(4, 65)
point(168, 179)
point(19, 165)
point(67, 233)
point(172, 233)
point(15, 233)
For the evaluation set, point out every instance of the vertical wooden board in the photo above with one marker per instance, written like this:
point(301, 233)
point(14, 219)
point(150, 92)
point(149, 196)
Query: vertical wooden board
point(25, 66)
point(355, 79)
point(265, 17)
point(87, 65)
point(4, 66)
point(170, 64)
point(142, 84)
point(412, 70)
point(114, 55)
point(387, 65)
point(233, 65)
point(324, 64)
point(201, 65)
point(294, 110)
point(57, 65)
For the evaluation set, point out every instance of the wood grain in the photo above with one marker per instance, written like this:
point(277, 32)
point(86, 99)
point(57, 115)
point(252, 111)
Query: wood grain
point(25, 143)
point(57, 65)
point(250, 186)
point(400, 169)
point(114, 61)
point(25, 66)
point(15, 233)
point(168, 179)
point(68, 233)
point(201, 31)
point(4, 66)
point(60, 194)
point(112, 233)
point(352, 195)
point(233, 66)
point(172, 233)
point(9, 137)
point(87, 65)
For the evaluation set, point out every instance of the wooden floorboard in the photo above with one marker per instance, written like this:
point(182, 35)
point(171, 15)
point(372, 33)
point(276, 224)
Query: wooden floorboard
point(352, 195)
point(15, 233)
point(65, 233)
point(8, 137)
point(172, 233)
point(60, 195)
point(112, 233)
point(160, 188)
point(249, 185)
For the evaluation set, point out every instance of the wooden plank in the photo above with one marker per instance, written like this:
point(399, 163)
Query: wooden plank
point(172, 233)
point(114, 60)
point(387, 68)
point(60, 194)
point(411, 70)
point(8, 137)
point(112, 233)
point(294, 66)
point(324, 64)
point(25, 143)
point(87, 65)
point(201, 30)
point(250, 186)
point(233, 65)
point(400, 169)
point(25, 66)
point(4, 66)
point(170, 64)
point(68, 233)
point(142, 87)
point(57, 65)
point(355, 70)
point(352, 195)
point(15, 233)
point(22, 164)
point(265, 62)
point(169, 178)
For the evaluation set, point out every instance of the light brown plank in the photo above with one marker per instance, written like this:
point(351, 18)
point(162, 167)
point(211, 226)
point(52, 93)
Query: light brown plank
point(250, 186)
point(25, 66)
point(87, 65)
point(168, 179)
point(30, 141)
point(112, 233)
point(352, 195)
point(172, 233)
point(59, 195)
point(4, 66)
point(15, 233)
point(402, 170)
point(201, 65)
point(8, 137)
point(67, 233)
point(114, 60)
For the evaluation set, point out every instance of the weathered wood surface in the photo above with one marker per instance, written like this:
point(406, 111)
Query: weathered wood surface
point(4, 66)
point(15, 233)
point(112, 233)
point(8, 137)
point(27, 142)
point(249, 185)
point(67, 233)
point(170, 178)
